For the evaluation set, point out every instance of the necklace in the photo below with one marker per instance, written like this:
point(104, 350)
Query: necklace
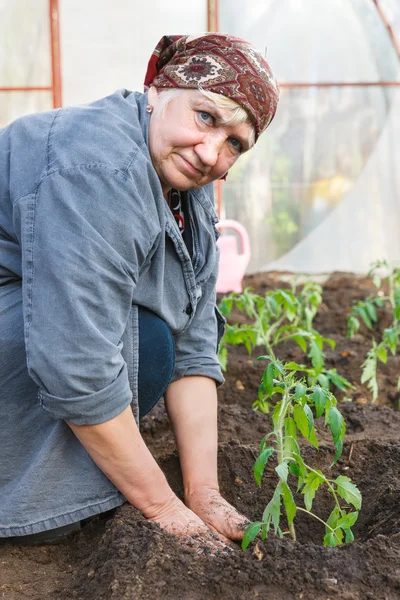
point(175, 204)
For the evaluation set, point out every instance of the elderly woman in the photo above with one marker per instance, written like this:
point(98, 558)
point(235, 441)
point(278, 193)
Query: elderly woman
point(108, 265)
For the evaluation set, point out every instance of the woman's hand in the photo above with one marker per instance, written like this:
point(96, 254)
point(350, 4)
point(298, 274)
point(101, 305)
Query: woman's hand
point(179, 520)
point(220, 516)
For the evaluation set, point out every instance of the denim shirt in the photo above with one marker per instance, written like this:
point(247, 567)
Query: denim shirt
point(84, 224)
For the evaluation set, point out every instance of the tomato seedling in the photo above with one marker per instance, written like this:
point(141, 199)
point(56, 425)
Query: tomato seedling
point(293, 415)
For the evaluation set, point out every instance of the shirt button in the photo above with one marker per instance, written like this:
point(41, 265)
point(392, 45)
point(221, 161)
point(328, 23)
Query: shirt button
point(189, 309)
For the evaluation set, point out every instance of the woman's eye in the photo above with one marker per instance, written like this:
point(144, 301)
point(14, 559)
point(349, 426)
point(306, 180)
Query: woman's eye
point(206, 117)
point(236, 145)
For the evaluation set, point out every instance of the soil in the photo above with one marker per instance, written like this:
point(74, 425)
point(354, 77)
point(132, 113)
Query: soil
point(121, 556)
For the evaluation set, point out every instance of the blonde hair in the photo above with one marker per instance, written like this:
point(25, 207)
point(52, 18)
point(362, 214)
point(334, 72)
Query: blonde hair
point(237, 114)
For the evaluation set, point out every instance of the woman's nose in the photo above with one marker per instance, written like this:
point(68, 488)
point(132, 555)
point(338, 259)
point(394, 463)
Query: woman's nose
point(209, 150)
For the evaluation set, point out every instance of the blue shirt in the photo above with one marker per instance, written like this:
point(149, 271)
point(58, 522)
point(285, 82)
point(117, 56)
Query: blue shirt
point(85, 237)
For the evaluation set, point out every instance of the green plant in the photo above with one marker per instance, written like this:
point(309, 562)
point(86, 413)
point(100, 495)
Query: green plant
point(293, 415)
point(277, 317)
point(365, 310)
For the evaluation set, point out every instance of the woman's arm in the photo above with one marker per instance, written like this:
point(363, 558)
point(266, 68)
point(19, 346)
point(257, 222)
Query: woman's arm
point(118, 449)
point(192, 408)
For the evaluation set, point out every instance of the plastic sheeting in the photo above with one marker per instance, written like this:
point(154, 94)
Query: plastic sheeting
point(319, 192)
point(25, 57)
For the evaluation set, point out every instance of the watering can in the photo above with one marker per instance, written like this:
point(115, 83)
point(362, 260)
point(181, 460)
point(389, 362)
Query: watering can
point(232, 265)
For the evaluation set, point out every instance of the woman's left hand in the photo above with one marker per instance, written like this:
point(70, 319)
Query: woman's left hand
point(217, 513)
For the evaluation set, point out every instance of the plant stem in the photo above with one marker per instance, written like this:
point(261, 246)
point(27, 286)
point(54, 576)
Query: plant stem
point(279, 438)
point(315, 517)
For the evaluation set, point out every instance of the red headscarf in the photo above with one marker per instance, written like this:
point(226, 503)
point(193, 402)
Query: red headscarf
point(218, 63)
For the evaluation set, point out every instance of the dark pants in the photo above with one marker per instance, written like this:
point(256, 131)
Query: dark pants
point(156, 359)
point(156, 366)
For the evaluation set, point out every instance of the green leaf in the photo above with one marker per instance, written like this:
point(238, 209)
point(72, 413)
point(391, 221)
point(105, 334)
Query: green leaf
point(381, 353)
point(330, 342)
point(335, 422)
point(390, 336)
point(290, 436)
point(313, 438)
point(365, 316)
point(288, 503)
point(338, 380)
point(312, 482)
point(275, 413)
point(338, 429)
point(330, 539)
point(272, 511)
point(283, 471)
point(371, 311)
point(304, 420)
point(264, 440)
point(261, 462)
point(268, 379)
point(300, 391)
point(376, 281)
point(316, 355)
point(349, 535)
point(348, 491)
point(323, 380)
point(348, 520)
point(334, 517)
point(300, 341)
point(292, 366)
point(353, 325)
point(310, 419)
point(250, 533)
point(319, 396)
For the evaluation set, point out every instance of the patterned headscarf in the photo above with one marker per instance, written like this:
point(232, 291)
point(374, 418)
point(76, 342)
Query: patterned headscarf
point(217, 63)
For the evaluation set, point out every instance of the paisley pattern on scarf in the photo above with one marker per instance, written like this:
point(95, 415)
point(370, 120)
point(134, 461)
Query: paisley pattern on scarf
point(219, 63)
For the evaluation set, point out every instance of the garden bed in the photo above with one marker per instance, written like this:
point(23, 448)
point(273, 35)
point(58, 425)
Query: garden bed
point(124, 557)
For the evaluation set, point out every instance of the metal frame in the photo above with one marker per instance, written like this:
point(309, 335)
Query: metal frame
point(56, 86)
point(213, 25)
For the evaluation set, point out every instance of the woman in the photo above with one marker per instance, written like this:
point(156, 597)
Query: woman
point(108, 266)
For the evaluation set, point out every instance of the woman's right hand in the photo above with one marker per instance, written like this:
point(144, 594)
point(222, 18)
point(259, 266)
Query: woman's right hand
point(177, 519)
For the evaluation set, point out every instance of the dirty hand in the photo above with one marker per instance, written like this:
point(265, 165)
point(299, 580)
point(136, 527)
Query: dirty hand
point(220, 516)
point(179, 520)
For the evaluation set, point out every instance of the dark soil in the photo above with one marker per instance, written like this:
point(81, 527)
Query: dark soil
point(125, 557)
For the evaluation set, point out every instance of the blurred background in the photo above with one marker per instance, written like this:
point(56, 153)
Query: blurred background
point(320, 190)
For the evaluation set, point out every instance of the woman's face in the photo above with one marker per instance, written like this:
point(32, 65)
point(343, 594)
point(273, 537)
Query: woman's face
point(190, 145)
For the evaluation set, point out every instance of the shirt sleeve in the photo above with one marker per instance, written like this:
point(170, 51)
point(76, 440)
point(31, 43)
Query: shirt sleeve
point(197, 347)
point(84, 235)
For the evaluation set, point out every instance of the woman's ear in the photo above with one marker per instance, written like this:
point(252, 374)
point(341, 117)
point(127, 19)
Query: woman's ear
point(152, 97)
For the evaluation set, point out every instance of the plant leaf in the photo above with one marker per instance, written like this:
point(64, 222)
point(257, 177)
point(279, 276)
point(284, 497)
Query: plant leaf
point(250, 533)
point(316, 355)
point(283, 471)
point(300, 341)
point(348, 520)
point(272, 511)
point(260, 463)
point(288, 503)
point(349, 535)
point(300, 390)
point(320, 396)
point(348, 491)
point(381, 353)
point(268, 379)
point(338, 429)
point(330, 539)
point(312, 482)
point(303, 419)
